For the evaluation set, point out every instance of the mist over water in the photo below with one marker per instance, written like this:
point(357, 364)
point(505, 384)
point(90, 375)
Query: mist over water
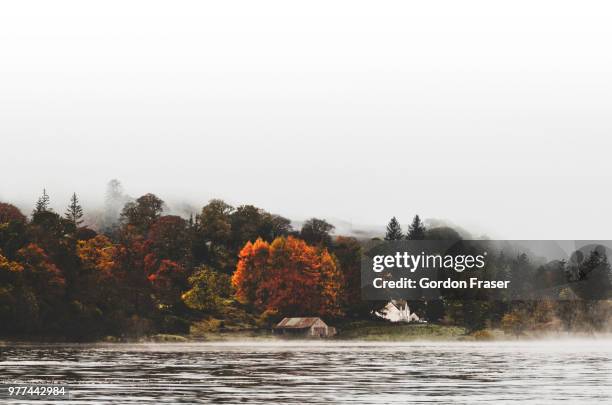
point(529, 372)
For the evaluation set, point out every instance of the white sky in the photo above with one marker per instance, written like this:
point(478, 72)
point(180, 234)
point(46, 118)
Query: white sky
point(496, 116)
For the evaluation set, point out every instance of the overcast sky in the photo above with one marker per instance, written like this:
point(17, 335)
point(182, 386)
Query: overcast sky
point(497, 117)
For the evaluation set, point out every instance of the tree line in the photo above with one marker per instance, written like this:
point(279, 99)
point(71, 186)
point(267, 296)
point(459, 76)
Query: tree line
point(582, 304)
point(152, 272)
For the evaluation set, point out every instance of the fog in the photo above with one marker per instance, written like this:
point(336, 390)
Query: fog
point(493, 117)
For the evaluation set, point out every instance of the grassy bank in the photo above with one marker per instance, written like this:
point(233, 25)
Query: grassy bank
point(386, 331)
point(367, 330)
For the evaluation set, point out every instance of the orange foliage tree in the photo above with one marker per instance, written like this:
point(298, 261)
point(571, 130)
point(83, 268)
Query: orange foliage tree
point(253, 260)
point(9, 266)
point(289, 277)
point(100, 278)
point(97, 254)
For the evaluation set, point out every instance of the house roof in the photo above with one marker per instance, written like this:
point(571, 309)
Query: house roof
point(297, 323)
point(399, 305)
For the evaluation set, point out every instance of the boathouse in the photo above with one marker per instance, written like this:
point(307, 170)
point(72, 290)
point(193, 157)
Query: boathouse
point(304, 327)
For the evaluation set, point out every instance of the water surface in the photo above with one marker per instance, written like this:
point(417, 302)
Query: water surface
point(320, 372)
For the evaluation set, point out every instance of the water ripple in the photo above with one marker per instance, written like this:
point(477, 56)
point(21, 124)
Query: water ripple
point(320, 372)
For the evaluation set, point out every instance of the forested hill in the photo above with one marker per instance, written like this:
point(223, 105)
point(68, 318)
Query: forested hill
point(148, 272)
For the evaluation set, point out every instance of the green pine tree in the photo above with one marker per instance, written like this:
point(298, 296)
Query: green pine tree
point(74, 212)
point(416, 230)
point(394, 230)
point(42, 204)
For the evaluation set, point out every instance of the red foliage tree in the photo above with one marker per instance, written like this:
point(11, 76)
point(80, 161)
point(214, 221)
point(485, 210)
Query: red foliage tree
point(168, 281)
point(131, 269)
point(290, 277)
point(10, 213)
point(40, 274)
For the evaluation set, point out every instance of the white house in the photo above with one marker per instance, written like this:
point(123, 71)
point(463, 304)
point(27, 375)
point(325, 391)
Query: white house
point(398, 311)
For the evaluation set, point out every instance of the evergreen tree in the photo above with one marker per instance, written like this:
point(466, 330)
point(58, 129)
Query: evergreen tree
point(591, 275)
point(74, 212)
point(42, 204)
point(394, 230)
point(115, 199)
point(416, 230)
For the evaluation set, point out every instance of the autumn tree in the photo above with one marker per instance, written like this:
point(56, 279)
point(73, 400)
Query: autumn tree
point(331, 284)
point(220, 231)
point(10, 213)
point(249, 274)
point(142, 213)
point(208, 289)
point(130, 262)
point(289, 277)
point(213, 236)
point(168, 280)
point(169, 238)
point(9, 267)
point(49, 230)
point(149, 263)
point(97, 255)
point(41, 273)
point(42, 287)
point(215, 221)
point(416, 230)
point(167, 248)
point(132, 284)
point(280, 226)
point(74, 212)
point(12, 229)
point(55, 235)
point(348, 252)
point(12, 298)
point(394, 230)
point(317, 232)
point(247, 224)
point(101, 300)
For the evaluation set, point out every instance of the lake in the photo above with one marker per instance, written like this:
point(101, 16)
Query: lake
point(320, 372)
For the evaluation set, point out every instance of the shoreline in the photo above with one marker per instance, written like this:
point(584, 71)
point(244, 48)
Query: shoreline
point(403, 334)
